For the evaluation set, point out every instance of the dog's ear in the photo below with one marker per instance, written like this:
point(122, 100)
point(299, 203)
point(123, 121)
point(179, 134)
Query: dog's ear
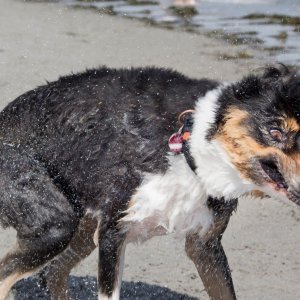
point(274, 72)
point(269, 77)
point(248, 88)
point(286, 82)
point(293, 94)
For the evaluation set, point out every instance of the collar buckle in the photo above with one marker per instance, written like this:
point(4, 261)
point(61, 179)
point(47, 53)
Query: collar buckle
point(178, 141)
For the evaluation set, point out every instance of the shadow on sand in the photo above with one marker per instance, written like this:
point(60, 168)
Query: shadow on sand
point(84, 288)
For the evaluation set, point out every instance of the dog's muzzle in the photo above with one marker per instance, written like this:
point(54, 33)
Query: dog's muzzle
point(281, 174)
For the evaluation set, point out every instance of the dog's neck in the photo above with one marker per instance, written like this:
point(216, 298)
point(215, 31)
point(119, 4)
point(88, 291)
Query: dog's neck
point(176, 201)
point(218, 175)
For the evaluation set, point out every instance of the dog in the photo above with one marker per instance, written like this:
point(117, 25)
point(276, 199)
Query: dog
point(101, 159)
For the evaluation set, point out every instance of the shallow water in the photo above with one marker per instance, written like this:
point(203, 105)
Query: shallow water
point(224, 19)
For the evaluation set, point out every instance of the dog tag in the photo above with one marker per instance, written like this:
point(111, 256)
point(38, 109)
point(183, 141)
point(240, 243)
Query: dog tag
point(175, 142)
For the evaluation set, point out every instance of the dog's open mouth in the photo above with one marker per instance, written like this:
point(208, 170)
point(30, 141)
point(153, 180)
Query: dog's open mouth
point(271, 169)
point(276, 179)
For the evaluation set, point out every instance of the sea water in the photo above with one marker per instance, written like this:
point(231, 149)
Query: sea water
point(270, 26)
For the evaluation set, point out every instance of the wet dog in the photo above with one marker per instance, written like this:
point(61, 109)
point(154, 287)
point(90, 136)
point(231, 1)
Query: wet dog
point(85, 161)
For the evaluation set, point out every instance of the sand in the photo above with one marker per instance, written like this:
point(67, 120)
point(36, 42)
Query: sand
point(41, 41)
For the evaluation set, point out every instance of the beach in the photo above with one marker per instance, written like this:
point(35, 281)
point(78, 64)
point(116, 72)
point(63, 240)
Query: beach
point(41, 41)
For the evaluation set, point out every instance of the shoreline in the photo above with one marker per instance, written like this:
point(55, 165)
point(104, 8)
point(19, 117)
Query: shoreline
point(266, 31)
point(42, 41)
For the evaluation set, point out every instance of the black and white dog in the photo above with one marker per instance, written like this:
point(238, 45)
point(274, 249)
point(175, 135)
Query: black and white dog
point(85, 161)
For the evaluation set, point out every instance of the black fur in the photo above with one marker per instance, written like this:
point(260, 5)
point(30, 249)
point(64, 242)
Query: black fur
point(87, 131)
point(81, 143)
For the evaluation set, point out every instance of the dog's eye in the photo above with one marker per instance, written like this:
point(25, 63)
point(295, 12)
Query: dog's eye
point(276, 134)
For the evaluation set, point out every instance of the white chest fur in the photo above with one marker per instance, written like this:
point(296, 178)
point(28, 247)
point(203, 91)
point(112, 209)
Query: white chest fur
point(170, 202)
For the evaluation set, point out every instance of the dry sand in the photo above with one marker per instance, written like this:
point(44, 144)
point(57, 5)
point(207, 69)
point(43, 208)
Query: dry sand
point(40, 41)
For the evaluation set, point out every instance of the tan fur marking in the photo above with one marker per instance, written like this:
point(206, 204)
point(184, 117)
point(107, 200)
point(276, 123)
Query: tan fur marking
point(291, 124)
point(132, 201)
point(258, 194)
point(236, 140)
point(296, 159)
point(9, 281)
point(241, 147)
point(96, 235)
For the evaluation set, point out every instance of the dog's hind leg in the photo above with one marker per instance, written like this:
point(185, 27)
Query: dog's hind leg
point(209, 257)
point(55, 274)
point(9, 279)
point(42, 216)
point(25, 259)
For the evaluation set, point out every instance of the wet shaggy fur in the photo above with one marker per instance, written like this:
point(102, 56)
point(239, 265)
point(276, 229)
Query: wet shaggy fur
point(83, 143)
point(94, 134)
point(75, 154)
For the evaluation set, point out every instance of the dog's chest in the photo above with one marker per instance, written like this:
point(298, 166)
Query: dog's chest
point(165, 203)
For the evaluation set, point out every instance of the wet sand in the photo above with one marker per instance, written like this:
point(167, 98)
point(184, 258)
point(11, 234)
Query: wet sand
point(40, 41)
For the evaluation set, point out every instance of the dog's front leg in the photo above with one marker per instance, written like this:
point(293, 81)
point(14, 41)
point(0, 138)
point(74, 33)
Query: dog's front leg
point(111, 260)
point(209, 257)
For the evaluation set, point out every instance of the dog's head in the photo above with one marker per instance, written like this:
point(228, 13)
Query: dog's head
point(258, 125)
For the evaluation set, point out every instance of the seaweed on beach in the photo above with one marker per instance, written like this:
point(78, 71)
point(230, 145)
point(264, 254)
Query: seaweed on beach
point(281, 36)
point(89, 1)
point(297, 29)
point(274, 49)
point(274, 19)
point(184, 11)
point(107, 10)
point(141, 2)
point(235, 38)
point(239, 55)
